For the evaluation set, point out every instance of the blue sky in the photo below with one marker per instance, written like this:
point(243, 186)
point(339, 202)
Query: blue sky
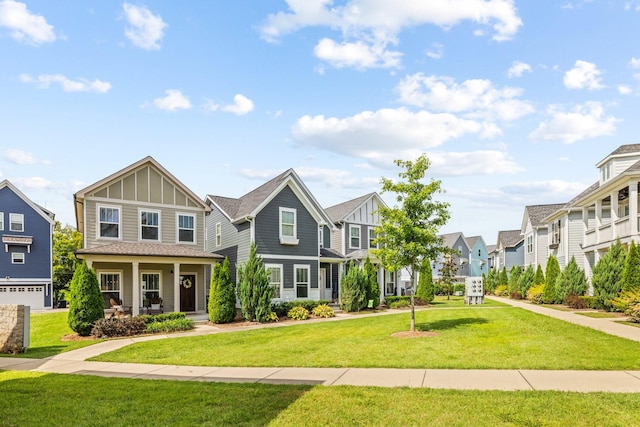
point(514, 102)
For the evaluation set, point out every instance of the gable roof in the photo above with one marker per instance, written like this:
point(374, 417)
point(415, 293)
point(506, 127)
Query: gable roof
point(471, 241)
point(449, 239)
point(536, 214)
point(509, 238)
point(621, 151)
point(248, 206)
point(45, 213)
point(491, 248)
point(341, 211)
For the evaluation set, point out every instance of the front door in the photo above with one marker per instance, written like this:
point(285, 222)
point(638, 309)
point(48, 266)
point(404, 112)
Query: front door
point(188, 292)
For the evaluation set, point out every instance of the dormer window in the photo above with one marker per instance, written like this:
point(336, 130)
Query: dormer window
point(605, 172)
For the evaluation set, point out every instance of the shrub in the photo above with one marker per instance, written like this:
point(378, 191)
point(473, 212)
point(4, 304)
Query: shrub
point(592, 302)
point(373, 287)
point(391, 299)
point(625, 300)
point(254, 290)
point(273, 317)
point(501, 291)
point(118, 327)
point(535, 293)
point(552, 272)
point(222, 296)
point(281, 308)
point(162, 317)
point(571, 281)
point(631, 272)
point(86, 305)
point(426, 288)
point(298, 313)
point(353, 297)
point(458, 287)
point(575, 301)
point(525, 280)
point(514, 277)
point(634, 313)
point(607, 275)
point(399, 304)
point(323, 311)
point(171, 325)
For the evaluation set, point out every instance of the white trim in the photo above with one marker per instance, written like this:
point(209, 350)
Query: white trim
point(18, 258)
point(280, 267)
point(359, 228)
point(19, 221)
point(159, 226)
point(98, 222)
point(290, 257)
point(218, 234)
point(141, 273)
point(120, 274)
point(296, 267)
point(1, 221)
point(286, 239)
point(195, 227)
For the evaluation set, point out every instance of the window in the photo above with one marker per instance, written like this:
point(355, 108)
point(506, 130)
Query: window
point(16, 222)
point(354, 236)
point(149, 225)
point(321, 237)
point(1, 221)
point(302, 281)
point(479, 252)
point(109, 219)
point(288, 229)
point(17, 257)
point(275, 278)
point(623, 210)
point(605, 172)
point(529, 244)
point(218, 234)
point(372, 238)
point(150, 288)
point(110, 287)
point(186, 228)
point(555, 232)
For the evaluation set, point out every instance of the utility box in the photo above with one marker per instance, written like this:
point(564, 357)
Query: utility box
point(474, 290)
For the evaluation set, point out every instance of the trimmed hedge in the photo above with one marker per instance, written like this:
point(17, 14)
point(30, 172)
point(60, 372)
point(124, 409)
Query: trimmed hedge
point(282, 308)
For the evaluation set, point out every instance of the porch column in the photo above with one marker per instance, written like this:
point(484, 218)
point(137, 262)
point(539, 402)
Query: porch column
point(614, 214)
point(340, 273)
point(176, 287)
point(633, 208)
point(381, 282)
point(585, 223)
point(135, 301)
point(598, 219)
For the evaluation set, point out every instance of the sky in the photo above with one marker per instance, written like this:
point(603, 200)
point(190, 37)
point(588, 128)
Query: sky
point(513, 102)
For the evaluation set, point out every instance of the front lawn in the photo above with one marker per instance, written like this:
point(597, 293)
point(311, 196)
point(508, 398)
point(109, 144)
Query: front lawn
point(467, 338)
point(60, 400)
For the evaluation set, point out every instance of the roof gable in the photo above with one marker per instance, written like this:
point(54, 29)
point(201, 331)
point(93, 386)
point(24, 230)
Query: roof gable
point(342, 211)
point(449, 240)
point(509, 239)
point(44, 213)
point(535, 214)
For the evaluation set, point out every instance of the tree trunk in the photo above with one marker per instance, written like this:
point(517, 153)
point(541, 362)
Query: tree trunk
point(413, 307)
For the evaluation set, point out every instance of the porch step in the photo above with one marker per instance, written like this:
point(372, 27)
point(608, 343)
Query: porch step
point(336, 307)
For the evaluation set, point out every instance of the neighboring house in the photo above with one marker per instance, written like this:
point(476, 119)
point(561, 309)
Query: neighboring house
point(291, 231)
point(458, 243)
point(537, 234)
point(354, 234)
point(27, 244)
point(144, 235)
point(491, 256)
point(478, 256)
point(509, 250)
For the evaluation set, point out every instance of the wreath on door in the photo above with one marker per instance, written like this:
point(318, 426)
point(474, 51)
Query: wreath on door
point(186, 283)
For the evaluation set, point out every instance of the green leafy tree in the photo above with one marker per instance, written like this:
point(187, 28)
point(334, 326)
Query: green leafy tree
point(631, 272)
point(538, 279)
point(426, 288)
point(607, 275)
point(353, 294)
point(525, 280)
point(552, 272)
point(572, 281)
point(222, 296)
point(373, 287)
point(254, 290)
point(504, 278)
point(514, 277)
point(491, 282)
point(409, 231)
point(85, 300)
point(66, 241)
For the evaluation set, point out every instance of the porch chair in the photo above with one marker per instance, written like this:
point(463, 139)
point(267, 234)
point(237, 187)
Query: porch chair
point(156, 306)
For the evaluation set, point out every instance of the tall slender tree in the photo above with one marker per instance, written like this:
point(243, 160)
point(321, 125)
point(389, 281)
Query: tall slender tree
point(86, 304)
point(409, 230)
point(631, 273)
point(504, 278)
point(572, 281)
point(373, 287)
point(525, 280)
point(538, 279)
point(254, 290)
point(549, 295)
point(607, 275)
point(222, 296)
point(514, 276)
point(426, 287)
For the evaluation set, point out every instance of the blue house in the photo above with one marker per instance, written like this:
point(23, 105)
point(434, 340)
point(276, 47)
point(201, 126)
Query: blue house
point(27, 244)
point(478, 256)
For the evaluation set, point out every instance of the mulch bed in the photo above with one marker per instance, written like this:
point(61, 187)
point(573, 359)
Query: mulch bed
point(76, 337)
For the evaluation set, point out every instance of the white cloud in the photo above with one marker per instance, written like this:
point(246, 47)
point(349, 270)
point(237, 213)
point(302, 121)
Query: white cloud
point(585, 121)
point(241, 105)
point(517, 69)
point(554, 189)
point(174, 100)
point(583, 75)
point(481, 162)
point(34, 183)
point(635, 63)
point(359, 55)
point(436, 51)
point(25, 25)
point(624, 90)
point(20, 157)
point(145, 29)
point(68, 85)
point(476, 98)
point(632, 5)
point(386, 134)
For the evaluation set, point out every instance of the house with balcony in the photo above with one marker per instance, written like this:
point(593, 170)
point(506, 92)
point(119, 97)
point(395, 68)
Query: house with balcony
point(538, 234)
point(26, 230)
point(144, 235)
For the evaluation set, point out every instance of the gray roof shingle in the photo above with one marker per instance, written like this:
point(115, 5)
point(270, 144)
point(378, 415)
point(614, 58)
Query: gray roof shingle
point(509, 238)
point(148, 249)
point(539, 212)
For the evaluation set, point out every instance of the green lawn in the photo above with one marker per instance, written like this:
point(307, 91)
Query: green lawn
point(30, 399)
point(467, 338)
point(597, 314)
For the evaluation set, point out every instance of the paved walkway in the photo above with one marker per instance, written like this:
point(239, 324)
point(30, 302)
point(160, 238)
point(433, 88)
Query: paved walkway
point(75, 362)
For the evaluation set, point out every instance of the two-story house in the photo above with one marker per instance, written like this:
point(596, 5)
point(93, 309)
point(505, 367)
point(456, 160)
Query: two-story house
point(478, 256)
point(354, 236)
point(26, 255)
point(290, 230)
point(509, 250)
point(144, 235)
point(537, 233)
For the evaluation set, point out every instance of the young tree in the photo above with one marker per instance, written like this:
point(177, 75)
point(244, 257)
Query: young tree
point(222, 296)
point(607, 275)
point(409, 232)
point(491, 282)
point(525, 280)
point(426, 288)
point(373, 287)
point(631, 273)
point(254, 290)
point(552, 272)
point(66, 241)
point(504, 278)
point(448, 271)
point(538, 279)
point(85, 300)
point(514, 276)
point(572, 281)
point(353, 295)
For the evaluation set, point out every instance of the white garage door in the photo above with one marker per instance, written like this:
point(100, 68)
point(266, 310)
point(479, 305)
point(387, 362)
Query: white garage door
point(31, 295)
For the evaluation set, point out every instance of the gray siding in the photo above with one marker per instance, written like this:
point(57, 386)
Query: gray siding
point(576, 237)
point(235, 242)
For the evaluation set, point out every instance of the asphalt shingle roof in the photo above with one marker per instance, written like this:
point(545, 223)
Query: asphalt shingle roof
point(509, 238)
point(449, 239)
point(539, 212)
point(340, 211)
point(149, 249)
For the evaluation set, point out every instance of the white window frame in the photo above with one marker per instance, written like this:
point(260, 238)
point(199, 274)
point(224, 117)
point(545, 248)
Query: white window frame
point(16, 219)
point(18, 258)
point(1, 221)
point(286, 239)
point(119, 223)
point(219, 234)
point(276, 284)
point(372, 238)
point(110, 291)
point(178, 228)
point(530, 244)
point(555, 232)
point(142, 226)
point(297, 284)
point(351, 236)
point(143, 291)
point(321, 237)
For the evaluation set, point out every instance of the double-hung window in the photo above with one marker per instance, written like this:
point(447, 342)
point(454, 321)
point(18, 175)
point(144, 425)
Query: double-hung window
point(149, 225)
point(150, 288)
point(288, 226)
point(372, 238)
point(16, 222)
point(186, 228)
point(529, 244)
point(275, 278)
point(218, 234)
point(109, 222)
point(1, 221)
point(17, 257)
point(354, 237)
point(302, 275)
point(109, 286)
point(555, 230)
